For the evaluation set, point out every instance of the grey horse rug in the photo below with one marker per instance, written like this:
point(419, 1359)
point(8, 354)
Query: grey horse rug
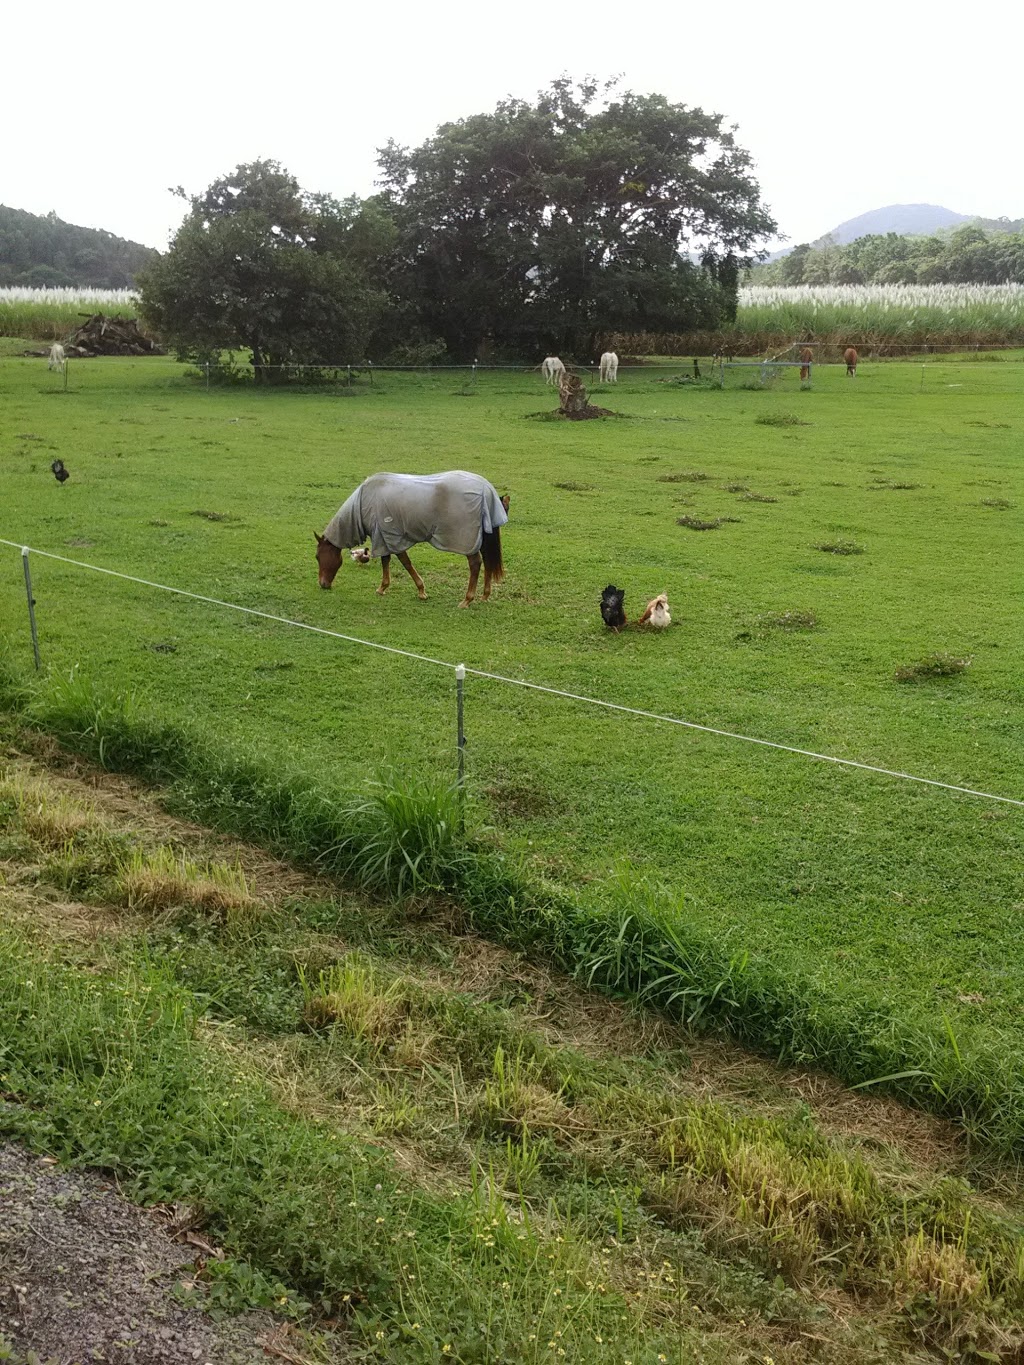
point(451, 510)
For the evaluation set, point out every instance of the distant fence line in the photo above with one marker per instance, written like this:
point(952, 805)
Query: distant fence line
point(714, 367)
point(461, 671)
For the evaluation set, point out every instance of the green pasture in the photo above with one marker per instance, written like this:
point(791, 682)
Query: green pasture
point(845, 880)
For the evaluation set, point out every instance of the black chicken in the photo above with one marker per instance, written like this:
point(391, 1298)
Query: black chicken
point(612, 607)
point(59, 472)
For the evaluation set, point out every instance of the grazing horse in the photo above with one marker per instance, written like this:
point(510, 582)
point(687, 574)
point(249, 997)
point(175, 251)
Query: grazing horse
point(552, 369)
point(56, 360)
point(457, 512)
point(609, 368)
point(806, 356)
point(850, 356)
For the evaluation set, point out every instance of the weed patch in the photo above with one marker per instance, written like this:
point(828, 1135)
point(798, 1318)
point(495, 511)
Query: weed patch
point(697, 524)
point(932, 666)
point(839, 547)
point(780, 419)
point(687, 476)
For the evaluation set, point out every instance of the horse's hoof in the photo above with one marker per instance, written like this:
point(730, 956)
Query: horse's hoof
point(422, 596)
point(465, 602)
point(381, 592)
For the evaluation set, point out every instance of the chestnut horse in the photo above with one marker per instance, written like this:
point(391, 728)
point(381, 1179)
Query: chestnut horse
point(806, 356)
point(457, 512)
point(850, 356)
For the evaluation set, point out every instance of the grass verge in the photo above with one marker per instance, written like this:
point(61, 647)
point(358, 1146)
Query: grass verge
point(452, 1155)
point(628, 936)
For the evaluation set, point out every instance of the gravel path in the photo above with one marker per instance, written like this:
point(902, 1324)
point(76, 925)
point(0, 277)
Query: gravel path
point(87, 1276)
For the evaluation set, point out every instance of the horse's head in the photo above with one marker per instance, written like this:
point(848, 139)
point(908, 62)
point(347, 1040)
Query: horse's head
point(505, 500)
point(328, 558)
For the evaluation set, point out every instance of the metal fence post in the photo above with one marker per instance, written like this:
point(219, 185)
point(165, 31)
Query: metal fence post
point(32, 610)
point(65, 367)
point(460, 683)
point(369, 365)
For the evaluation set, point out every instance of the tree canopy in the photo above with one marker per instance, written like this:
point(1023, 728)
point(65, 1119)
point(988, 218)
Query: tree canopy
point(262, 264)
point(542, 226)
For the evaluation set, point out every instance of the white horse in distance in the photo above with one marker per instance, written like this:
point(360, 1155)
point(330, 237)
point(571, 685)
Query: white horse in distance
point(609, 368)
point(56, 360)
point(552, 369)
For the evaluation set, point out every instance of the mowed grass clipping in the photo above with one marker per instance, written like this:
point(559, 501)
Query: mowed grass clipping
point(851, 885)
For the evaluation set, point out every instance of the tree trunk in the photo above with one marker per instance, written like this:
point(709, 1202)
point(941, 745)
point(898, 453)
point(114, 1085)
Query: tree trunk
point(572, 396)
point(573, 402)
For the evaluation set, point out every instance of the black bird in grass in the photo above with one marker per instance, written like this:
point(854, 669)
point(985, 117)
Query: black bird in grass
point(612, 607)
point(59, 472)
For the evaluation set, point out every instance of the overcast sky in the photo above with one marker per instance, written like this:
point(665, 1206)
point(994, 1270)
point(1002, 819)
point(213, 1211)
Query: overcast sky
point(845, 106)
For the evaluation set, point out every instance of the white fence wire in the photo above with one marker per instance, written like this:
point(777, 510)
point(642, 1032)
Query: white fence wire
point(461, 671)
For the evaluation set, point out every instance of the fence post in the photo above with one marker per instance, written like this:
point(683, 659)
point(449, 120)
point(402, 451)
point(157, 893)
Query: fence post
point(369, 365)
point(475, 363)
point(460, 683)
point(32, 608)
point(66, 365)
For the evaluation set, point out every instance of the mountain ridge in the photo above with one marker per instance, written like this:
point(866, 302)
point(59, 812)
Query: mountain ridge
point(43, 250)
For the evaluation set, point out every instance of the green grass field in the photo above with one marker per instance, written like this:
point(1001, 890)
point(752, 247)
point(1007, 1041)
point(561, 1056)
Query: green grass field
point(848, 883)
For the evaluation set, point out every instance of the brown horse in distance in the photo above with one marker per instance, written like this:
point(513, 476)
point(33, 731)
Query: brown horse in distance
point(850, 356)
point(806, 356)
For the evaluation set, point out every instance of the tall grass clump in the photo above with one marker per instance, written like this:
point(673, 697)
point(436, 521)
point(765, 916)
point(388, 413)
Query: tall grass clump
point(51, 314)
point(406, 837)
point(165, 878)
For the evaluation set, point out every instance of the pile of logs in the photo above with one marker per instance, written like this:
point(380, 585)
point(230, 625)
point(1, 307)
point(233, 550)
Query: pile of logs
point(100, 335)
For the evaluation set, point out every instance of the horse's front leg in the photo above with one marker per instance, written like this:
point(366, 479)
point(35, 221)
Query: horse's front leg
point(406, 564)
point(474, 573)
point(385, 575)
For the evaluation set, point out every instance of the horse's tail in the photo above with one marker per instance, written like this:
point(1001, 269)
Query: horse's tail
point(490, 548)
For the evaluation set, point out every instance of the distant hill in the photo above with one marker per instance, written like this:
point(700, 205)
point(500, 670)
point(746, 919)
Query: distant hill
point(40, 250)
point(908, 220)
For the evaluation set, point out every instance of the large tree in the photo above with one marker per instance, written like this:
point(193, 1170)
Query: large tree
point(258, 263)
point(546, 225)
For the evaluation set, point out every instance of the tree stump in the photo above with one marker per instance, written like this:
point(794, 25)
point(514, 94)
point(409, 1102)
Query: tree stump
point(573, 402)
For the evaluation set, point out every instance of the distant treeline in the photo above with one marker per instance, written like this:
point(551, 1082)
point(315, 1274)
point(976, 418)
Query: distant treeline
point(967, 255)
point(47, 252)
